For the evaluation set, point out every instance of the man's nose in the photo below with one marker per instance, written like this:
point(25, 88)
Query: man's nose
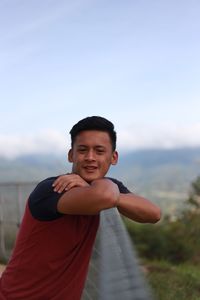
point(90, 155)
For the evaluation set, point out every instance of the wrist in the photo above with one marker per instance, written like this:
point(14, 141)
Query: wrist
point(117, 201)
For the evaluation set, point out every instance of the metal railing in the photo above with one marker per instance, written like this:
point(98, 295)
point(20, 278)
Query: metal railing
point(12, 203)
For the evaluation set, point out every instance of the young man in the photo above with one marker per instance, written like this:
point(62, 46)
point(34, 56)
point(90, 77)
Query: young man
point(55, 240)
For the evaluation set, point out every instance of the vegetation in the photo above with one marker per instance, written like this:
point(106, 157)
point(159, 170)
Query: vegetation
point(174, 282)
point(171, 251)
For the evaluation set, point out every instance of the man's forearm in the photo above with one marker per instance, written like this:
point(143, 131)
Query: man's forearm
point(101, 194)
point(138, 208)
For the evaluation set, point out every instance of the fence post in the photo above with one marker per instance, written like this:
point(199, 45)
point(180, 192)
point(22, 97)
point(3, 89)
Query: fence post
point(2, 233)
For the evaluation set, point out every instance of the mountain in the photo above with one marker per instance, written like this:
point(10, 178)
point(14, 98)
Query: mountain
point(164, 176)
point(32, 167)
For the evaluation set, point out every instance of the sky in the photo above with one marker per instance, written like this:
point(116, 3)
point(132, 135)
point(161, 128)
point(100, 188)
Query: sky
point(136, 63)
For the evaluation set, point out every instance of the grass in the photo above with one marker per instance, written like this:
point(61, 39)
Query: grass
point(174, 282)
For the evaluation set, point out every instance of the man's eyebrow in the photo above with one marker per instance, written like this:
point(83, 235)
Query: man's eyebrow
point(81, 145)
point(100, 146)
point(86, 146)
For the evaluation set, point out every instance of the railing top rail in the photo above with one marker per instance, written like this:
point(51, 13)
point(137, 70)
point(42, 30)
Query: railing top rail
point(18, 183)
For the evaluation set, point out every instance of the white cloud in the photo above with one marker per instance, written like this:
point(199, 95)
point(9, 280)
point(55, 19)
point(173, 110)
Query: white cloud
point(167, 136)
point(49, 141)
point(137, 137)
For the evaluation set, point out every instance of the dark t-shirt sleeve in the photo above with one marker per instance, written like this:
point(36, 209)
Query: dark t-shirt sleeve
point(43, 201)
point(120, 185)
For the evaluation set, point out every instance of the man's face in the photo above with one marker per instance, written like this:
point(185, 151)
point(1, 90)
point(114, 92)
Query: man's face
point(92, 154)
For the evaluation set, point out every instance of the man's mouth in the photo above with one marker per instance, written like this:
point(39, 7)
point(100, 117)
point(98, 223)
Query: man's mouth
point(90, 168)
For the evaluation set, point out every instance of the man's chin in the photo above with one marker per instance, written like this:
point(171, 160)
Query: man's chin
point(91, 177)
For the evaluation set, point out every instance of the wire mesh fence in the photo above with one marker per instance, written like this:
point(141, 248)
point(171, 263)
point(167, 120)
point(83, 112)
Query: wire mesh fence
point(12, 203)
point(114, 271)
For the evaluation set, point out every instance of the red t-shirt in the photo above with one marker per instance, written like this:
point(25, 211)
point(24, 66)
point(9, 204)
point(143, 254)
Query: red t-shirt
point(52, 251)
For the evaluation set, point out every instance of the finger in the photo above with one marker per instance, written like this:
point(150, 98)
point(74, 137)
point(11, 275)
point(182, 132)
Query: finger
point(59, 182)
point(60, 186)
point(60, 179)
point(76, 184)
point(64, 186)
point(55, 183)
point(71, 185)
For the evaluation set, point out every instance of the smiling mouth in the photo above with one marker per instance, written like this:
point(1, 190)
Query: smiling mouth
point(90, 169)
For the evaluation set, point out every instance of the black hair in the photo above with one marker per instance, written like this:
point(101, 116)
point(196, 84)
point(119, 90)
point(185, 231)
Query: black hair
point(94, 123)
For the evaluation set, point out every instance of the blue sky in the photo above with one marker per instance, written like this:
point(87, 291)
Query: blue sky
point(134, 62)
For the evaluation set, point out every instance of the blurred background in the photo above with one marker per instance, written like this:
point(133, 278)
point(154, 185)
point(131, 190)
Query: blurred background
point(133, 62)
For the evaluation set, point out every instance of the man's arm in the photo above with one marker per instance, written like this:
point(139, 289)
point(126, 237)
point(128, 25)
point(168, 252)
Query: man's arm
point(89, 199)
point(138, 208)
point(98, 196)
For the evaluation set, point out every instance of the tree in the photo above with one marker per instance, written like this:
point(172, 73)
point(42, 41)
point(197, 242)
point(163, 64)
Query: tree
point(194, 197)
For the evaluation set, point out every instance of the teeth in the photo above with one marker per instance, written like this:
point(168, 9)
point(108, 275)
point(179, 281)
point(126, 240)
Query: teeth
point(90, 168)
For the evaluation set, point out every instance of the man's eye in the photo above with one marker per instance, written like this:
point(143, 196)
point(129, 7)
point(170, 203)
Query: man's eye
point(81, 150)
point(100, 151)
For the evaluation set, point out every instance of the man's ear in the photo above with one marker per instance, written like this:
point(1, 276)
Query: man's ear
point(114, 158)
point(70, 156)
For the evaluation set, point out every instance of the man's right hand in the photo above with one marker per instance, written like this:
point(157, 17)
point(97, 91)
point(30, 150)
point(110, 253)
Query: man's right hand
point(67, 182)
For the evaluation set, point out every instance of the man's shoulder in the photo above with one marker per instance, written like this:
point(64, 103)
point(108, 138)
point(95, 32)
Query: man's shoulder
point(47, 181)
point(43, 200)
point(44, 186)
